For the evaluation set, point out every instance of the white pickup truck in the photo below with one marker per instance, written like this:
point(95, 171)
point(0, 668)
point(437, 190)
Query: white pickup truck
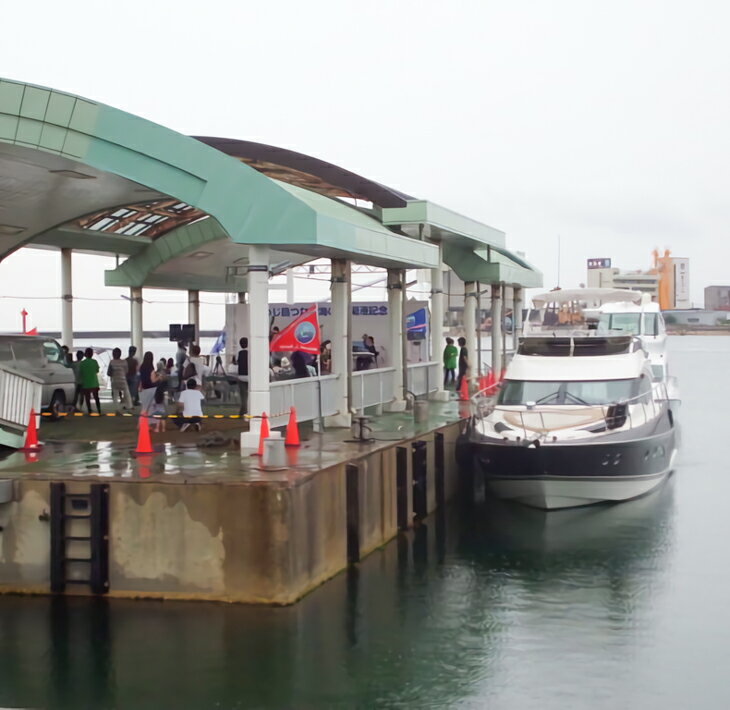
point(42, 358)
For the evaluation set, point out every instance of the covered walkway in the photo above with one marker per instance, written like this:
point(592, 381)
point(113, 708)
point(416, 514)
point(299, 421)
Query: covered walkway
point(214, 214)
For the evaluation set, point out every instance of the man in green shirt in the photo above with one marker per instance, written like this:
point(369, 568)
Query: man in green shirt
point(451, 355)
point(89, 379)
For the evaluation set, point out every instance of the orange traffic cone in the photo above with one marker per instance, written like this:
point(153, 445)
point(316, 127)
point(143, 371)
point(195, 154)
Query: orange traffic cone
point(31, 435)
point(292, 430)
point(483, 383)
point(144, 443)
point(264, 434)
point(464, 390)
point(490, 380)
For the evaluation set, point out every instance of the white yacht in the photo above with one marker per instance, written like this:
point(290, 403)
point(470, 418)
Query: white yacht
point(606, 311)
point(583, 414)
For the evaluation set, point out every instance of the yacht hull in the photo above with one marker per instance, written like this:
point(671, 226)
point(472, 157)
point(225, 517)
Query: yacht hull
point(565, 475)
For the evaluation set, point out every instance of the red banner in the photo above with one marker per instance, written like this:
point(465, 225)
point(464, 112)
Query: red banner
point(301, 334)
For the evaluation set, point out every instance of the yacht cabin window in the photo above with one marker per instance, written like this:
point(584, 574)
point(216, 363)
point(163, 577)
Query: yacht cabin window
point(633, 323)
point(592, 392)
point(627, 323)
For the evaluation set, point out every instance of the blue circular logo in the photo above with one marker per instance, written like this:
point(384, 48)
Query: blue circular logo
point(305, 332)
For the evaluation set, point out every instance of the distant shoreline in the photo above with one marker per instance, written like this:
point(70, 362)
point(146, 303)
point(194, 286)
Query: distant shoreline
point(698, 331)
point(123, 334)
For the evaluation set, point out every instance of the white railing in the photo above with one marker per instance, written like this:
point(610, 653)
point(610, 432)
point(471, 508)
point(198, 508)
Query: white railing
point(543, 420)
point(373, 387)
point(19, 393)
point(313, 397)
point(423, 377)
point(316, 397)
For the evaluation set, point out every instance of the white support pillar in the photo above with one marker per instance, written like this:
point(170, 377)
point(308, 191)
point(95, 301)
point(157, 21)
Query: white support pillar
point(341, 363)
point(290, 286)
point(516, 315)
point(135, 298)
point(497, 329)
point(395, 316)
point(470, 325)
point(67, 307)
point(259, 398)
point(437, 328)
point(194, 312)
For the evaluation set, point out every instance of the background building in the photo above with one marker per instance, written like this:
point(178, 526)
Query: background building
point(667, 282)
point(717, 298)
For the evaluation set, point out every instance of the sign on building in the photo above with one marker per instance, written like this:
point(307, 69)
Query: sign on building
point(599, 263)
point(368, 318)
point(681, 283)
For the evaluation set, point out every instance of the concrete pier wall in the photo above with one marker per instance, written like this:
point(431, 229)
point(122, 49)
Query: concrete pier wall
point(242, 541)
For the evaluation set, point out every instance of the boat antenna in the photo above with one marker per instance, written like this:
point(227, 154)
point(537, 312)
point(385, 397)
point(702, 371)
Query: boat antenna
point(558, 284)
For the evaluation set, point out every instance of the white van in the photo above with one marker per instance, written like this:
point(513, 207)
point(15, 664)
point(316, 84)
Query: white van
point(43, 358)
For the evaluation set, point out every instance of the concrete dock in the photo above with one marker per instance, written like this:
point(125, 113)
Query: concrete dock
point(211, 523)
point(227, 216)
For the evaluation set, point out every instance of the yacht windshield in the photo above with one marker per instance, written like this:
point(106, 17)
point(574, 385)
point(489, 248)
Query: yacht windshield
point(625, 322)
point(571, 393)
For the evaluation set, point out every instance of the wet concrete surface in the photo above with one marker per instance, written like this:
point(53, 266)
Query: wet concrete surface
point(185, 460)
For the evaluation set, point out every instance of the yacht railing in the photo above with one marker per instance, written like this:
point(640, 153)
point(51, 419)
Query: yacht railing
point(567, 330)
point(570, 330)
point(652, 403)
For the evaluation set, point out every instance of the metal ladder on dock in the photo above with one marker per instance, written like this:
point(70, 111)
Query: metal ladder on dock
point(81, 521)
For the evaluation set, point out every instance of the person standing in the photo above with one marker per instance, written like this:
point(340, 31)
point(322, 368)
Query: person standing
point(242, 364)
point(78, 397)
point(181, 356)
point(451, 356)
point(148, 381)
point(89, 376)
point(196, 367)
point(463, 362)
point(370, 347)
point(133, 374)
point(117, 372)
point(299, 365)
point(325, 357)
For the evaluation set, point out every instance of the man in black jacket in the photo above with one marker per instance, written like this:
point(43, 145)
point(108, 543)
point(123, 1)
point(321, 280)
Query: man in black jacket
point(463, 362)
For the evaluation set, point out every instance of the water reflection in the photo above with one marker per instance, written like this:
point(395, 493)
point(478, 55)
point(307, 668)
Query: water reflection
point(435, 617)
point(616, 552)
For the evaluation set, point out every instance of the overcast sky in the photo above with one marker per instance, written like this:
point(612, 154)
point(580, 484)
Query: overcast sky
point(606, 123)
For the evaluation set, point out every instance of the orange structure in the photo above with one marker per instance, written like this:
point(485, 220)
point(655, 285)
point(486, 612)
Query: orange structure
point(663, 267)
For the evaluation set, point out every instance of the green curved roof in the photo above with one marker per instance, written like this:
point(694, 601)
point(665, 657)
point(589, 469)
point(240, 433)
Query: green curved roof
point(63, 157)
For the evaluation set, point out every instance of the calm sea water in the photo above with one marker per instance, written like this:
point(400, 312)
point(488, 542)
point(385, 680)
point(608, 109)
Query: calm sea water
point(159, 347)
point(624, 606)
